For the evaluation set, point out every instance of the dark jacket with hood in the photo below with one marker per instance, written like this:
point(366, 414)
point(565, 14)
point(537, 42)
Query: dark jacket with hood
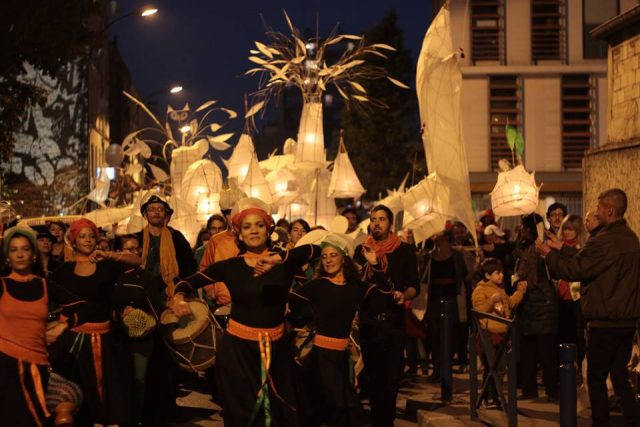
point(608, 268)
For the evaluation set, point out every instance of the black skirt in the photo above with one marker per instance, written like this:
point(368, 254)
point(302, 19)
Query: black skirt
point(14, 409)
point(238, 375)
point(329, 389)
point(73, 359)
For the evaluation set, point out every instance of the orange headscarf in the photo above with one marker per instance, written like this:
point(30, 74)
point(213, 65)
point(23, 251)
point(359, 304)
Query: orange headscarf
point(382, 248)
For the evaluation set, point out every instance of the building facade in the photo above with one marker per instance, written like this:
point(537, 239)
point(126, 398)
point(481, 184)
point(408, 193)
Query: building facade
point(532, 64)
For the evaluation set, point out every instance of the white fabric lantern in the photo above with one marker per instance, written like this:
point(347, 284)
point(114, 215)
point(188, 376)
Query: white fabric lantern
point(182, 158)
point(201, 178)
point(184, 218)
point(238, 163)
point(206, 206)
point(344, 181)
point(425, 207)
point(309, 150)
point(515, 193)
point(322, 209)
point(281, 182)
point(255, 184)
point(107, 216)
point(294, 210)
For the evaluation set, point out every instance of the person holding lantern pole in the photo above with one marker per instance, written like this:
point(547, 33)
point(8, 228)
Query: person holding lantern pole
point(253, 366)
point(382, 324)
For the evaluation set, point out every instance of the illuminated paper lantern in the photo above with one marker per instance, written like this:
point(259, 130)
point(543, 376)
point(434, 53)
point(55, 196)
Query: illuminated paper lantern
point(425, 207)
point(231, 195)
point(294, 210)
point(201, 178)
point(276, 162)
point(108, 216)
point(100, 192)
point(322, 209)
point(309, 150)
point(184, 218)
point(281, 182)
point(255, 184)
point(181, 159)
point(206, 206)
point(344, 182)
point(238, 163)
point(515, 193)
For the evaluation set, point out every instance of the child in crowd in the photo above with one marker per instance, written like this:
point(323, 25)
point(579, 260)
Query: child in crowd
point(490, 297)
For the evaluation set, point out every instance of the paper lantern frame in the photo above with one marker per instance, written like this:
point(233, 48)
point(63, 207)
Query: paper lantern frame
point(309, 150)
point(515, 193)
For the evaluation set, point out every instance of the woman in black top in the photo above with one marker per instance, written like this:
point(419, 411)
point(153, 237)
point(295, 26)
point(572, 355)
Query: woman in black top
point(253, 366)
point(91, 354)
point(334, 294)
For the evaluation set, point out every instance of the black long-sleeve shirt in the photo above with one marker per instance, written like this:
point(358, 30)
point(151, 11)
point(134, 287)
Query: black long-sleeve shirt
point(259, 301)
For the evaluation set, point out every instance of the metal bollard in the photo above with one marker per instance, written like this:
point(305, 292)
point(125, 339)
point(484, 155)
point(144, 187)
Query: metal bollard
point(567, 393)
point(446, 349)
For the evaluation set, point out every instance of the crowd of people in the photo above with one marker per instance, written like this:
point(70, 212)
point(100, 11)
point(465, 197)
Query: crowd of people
point(90, 307)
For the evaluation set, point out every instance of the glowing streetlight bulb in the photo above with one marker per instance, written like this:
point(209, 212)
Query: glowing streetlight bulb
point(185, 129)
point(176, 89)
point(148, 11)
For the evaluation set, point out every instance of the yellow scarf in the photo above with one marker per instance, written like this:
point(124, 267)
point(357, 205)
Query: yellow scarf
point(168, 262)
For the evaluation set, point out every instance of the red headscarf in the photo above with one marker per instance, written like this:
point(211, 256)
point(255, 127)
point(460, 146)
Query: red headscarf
point(78, 225)
point(237, 218)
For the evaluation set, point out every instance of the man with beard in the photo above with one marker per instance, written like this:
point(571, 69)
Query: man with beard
point(382, 328)
point(555, 214)
point(167, 255)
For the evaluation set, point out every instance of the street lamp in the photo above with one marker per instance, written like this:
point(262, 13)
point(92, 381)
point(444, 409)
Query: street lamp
point(144, 12)
point(176, 89)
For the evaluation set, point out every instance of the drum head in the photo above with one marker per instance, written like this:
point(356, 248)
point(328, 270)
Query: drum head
point(189, 326)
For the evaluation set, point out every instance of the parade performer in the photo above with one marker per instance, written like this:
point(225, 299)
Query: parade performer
point(253, 365)
point(334, 294)
point(382, 327)
point(92, 354)
point(24, 300)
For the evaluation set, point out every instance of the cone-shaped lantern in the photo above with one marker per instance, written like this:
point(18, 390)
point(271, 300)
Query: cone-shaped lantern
point(202, 178)
point(344, 181)
point(322, 209)
point(309, 149)
point(255, 184)
point(515, 193)
point(238, 163)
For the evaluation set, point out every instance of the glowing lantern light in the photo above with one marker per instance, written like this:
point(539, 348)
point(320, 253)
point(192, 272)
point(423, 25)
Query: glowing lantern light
point(344, 181)
point(207, 205)
point(425, 207)
point(255, 184)
point(281, 182)
point(201, 178)
point(309, 149)
point(322, 208)
point(238, 163)
point(182, 158)
point(515, 193)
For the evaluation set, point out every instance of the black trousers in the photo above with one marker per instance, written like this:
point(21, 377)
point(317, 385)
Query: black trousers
point(382, 344)
point(608, 352)
point(543, 349)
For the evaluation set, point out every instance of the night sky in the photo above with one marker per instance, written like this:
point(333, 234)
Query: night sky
point(204, 44)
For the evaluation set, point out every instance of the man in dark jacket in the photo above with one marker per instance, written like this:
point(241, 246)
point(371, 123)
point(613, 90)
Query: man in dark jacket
point(608, 268)
point(382, 327)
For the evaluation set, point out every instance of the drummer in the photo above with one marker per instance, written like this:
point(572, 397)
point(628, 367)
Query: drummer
point(335, 292)
point(253, 361)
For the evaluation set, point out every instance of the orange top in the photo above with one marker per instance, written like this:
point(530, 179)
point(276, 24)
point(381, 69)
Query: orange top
point(23, 323)
point(221, 246)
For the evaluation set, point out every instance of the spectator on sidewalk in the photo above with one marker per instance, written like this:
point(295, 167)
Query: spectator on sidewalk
point(608, 268)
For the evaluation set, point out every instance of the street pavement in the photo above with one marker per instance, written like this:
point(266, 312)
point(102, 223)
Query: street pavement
point(418, 404)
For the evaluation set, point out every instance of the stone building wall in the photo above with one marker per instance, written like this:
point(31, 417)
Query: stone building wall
point(624, 86)
point(614, 167)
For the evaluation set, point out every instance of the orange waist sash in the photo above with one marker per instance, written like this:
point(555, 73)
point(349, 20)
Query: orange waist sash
point(95, 330)
point(331, 343)
point(253, 334)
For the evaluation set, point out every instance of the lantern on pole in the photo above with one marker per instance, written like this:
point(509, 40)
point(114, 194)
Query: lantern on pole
point(309, 149)
point(322, 209)
point(515, 193)
point(238, 163)
point(201, 178)
point(425, 207)
point(344, 182)
point(255, 184)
